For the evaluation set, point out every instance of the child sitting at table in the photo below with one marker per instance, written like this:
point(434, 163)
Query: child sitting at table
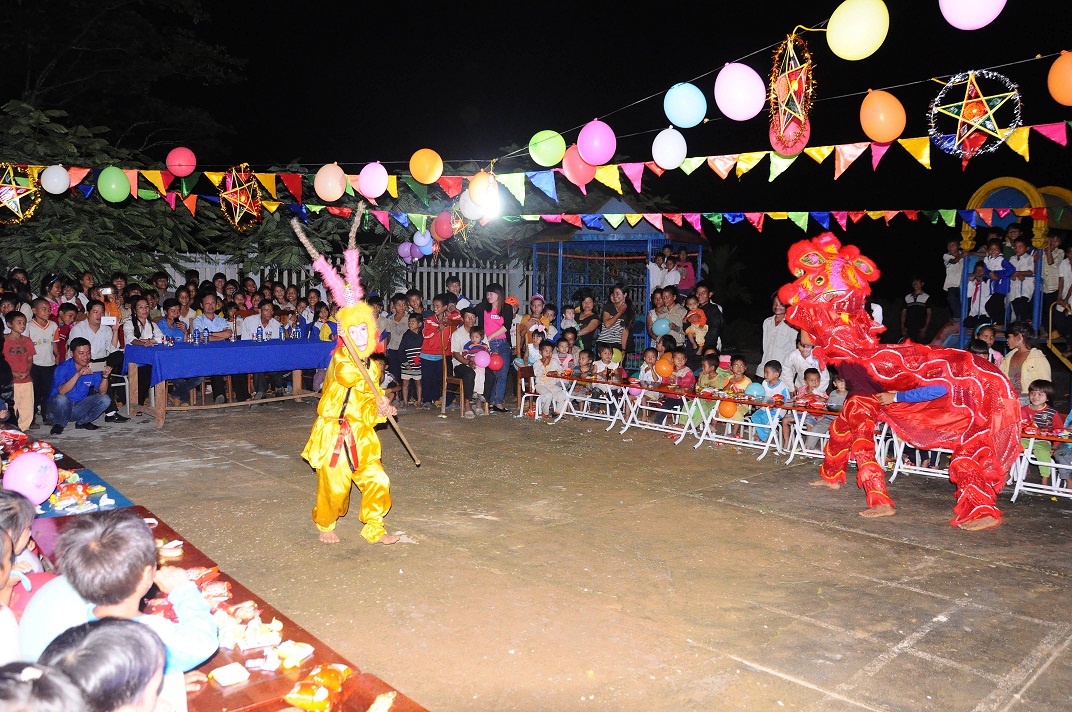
point(410, 348)
point(774, 389)
point(1040, 411)
point(570, 335)
point(474, 346)
point(707, 383)
point(562, 356)
point(810, 394)
point(549, 387)
point(109, 563)
point(586, 363)
point(607, 369)
point(681, 378)
point(839, 391)
point(648, 377)
point(390, 386)
point(735, 386)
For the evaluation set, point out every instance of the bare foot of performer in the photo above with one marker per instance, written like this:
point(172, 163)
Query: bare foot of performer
point(881, 510)
point(329, 538)
point(977, 525)
point(825, 483)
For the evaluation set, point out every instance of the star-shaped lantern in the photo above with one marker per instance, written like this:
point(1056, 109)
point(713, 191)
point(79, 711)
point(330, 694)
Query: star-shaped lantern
point(240, 198)
point(791, 86)
point(978, 128)
point(19, 193)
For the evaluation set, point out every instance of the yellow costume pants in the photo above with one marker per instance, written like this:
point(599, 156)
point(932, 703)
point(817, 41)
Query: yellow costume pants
point(333, 496)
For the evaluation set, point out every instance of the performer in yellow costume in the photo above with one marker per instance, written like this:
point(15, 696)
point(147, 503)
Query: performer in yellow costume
point(343, 446)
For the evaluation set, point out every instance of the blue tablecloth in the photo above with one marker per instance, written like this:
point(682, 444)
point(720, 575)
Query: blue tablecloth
point(221, 358)
point(90, 477)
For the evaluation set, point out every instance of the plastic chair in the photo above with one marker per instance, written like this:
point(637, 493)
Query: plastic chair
point(526, 387)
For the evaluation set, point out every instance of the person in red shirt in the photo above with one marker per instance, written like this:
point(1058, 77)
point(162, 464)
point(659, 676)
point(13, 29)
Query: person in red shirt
point(436, 343)
point(67, 315)
point(19, 352)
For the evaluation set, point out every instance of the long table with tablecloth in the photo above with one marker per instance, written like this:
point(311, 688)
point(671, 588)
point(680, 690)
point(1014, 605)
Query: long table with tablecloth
point(220, 358)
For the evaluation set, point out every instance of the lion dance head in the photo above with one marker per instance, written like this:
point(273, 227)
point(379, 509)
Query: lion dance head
point(827, 300)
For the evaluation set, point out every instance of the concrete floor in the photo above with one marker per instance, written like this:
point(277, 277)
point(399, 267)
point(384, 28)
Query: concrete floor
point(561, 567)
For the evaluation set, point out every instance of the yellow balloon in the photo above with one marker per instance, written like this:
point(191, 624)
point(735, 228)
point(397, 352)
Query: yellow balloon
point(478, 187)
point(858, 28)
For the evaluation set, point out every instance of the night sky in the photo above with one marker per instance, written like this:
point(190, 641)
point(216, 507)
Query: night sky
point(353, 84)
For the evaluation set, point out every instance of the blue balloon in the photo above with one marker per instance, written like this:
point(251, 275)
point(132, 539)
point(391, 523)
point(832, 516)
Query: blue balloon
point(660, 327)
point(426, 249)
point(685, 105)
point(755, 390)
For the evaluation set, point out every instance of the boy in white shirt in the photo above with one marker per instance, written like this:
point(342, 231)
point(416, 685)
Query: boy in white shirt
point(656, 271)
point(43, 332)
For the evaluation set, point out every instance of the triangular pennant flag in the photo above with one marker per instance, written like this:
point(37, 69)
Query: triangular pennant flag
point(633, 219)
point(1055, 132)
point(722, 165)
point(778, 164)
point(314, 208)
point(401, 218)
point(515, 183)
point(845, 154)
point(673, 217)
point(1003, 212)
point(822, 218)
point(169, 198)
point(690, 164)
point(270, 205)
point(777, 216)
point(890, 215)
point(1039, 214)
point(1017, 141)
point(419, 222)
point(733, 218)
point(756, 219)
point(694, 220)
point(392, 186)
point(655, 168)
point(1021, 212)
point(918, 148)
point(86, 190)
point(297, 208)
point(452, 185)
point(986, 215)
point(551, 218)
point(190, 201)
point(545, 181)
point(842, 218)
point(352, 183)
point(716, 220)
point(383, 217)
point(77, 174)
point(217, 176)
point(146, 194)
point(157, 180)
point(800, 220)
point(748, 161)
point(293, 182)
point(857, 215)
point(132, 176)
point(967, 216)
point(655, 219)
point(592, 221)
point(574, 220)
point(614, 219)
point(819, 153)
point(911, 214)
point(949, 217)
point(634, 172)
point(268, 181)
point(608, 176)
point(340, 212)
point(419, 188)
point(876, 214)
point(188, 183)
point(878, 150)
point(1058, 214)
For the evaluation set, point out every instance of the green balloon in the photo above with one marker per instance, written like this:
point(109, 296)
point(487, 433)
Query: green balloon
point(547, 148)
point(113, 185)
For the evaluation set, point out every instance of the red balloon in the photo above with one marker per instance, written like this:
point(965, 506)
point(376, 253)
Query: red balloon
point(577, 170)
point(496, 362)
point(181, 161)
point(441, 226)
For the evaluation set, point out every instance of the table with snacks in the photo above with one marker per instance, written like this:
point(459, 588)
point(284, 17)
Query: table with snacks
point(221, 358)
point(266, 661)
point(1060, 474)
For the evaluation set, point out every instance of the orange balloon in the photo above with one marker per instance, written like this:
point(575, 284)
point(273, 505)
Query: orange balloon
point(426, 166)
point(727, 409)
point(882, 116)
point(478, 187)
point(1059, 80)
point(664, 368)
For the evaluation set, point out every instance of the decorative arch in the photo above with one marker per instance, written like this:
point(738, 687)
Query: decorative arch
point(1010, 193)
point(1059, 206)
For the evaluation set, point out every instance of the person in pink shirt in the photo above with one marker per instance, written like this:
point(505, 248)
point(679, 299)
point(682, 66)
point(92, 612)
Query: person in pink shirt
point(687, 271)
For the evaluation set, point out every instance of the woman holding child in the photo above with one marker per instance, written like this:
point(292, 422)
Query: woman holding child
point(587, 322)
point(496, 319)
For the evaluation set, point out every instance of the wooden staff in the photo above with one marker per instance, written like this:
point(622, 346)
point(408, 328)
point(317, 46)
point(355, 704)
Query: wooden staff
point(375, 389)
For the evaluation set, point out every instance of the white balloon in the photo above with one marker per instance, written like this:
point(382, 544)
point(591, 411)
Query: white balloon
point(55, 179)
point(669, 149)
point(469, 209)
point(422, 238)
point(970, 14)
point(740, 92)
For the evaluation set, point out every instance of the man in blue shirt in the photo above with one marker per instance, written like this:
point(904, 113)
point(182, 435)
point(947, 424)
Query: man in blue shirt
point(78, 393)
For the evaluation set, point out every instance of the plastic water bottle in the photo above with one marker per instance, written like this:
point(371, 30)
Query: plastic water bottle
point(204, 336)
point(260, 334)
point(282, 333)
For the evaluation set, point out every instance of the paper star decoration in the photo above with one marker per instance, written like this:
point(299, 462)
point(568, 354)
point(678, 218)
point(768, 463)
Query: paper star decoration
point(19, 194)
point(240, 198)
point(791, 85)
point(978, 128)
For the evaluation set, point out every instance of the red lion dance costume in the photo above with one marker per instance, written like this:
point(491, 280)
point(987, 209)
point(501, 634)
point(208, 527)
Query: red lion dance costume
point(978, 417)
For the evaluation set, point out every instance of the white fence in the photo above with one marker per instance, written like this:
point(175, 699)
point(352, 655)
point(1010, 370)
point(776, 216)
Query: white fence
point(428, 276)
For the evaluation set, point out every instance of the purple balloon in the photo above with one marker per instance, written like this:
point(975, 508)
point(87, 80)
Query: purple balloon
point(596, 143)
point(33, 475)
point(415, 251)
point(403, 250)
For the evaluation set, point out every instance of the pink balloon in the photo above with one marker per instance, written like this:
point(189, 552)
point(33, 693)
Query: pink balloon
point(577, 170)
point(596, 143)
point(33, 475)
point(482, 359)
point(970, 14)
point(181, 162)
point(740, 92)
point(633, 391)
point(372, 180)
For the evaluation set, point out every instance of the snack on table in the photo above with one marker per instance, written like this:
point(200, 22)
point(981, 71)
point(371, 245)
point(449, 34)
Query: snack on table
point(230, 674)
point(319, 692)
